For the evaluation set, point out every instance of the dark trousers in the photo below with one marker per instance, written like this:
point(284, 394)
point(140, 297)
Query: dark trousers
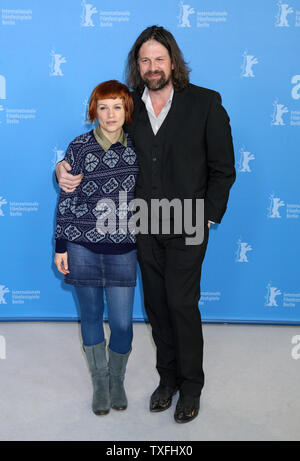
point(171, 273)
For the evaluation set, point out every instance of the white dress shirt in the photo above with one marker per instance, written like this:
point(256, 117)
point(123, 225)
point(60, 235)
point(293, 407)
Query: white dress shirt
point(156, 121)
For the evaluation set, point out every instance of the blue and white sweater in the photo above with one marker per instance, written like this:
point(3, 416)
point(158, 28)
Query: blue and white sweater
point(105, 174)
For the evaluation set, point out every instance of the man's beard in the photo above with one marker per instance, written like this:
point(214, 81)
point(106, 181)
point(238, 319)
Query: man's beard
point(156, 84)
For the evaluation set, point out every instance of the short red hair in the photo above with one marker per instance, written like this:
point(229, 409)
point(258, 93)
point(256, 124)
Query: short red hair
point(111, 89)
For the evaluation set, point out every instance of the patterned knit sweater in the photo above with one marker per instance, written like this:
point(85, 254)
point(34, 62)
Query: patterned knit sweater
point(105, 174)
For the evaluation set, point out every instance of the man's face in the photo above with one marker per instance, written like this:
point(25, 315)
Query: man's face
point(155, 65)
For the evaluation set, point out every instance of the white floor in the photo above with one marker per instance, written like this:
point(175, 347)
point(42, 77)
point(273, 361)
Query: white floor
point(252, 389)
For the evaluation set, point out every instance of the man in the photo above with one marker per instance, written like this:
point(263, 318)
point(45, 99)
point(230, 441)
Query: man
point(183, 140)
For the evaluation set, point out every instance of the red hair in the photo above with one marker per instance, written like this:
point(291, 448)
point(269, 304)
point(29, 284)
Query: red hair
point(111, 89)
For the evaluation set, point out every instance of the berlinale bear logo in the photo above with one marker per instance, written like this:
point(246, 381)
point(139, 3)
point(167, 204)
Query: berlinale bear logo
point(56, 61)
point(245, 158)
point(273, 210)
point(248, 62)
point(185, 12)
point(2, 202)
point(272, 293)
point(3, 291)
point(88, 10)
point(2, 87)
point(283, 11)
point(278, 112)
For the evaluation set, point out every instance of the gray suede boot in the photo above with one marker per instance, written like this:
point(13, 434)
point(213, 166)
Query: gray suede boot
point(117, 367)
point(96, 357)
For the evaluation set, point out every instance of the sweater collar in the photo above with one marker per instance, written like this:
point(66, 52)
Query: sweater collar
point(106, 143)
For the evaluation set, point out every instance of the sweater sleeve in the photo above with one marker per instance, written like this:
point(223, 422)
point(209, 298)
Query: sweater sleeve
point(65, 201)
point(60, 245)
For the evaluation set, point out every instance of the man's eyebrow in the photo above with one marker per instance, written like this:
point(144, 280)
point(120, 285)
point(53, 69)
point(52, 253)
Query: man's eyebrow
point(157, 57)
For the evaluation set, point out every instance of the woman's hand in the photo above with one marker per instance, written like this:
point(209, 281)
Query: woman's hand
point(61, 262)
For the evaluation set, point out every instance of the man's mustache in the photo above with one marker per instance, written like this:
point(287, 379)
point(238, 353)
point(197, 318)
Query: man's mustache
point(148, 74)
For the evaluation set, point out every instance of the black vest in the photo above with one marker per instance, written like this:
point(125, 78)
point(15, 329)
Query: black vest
point(150, 149)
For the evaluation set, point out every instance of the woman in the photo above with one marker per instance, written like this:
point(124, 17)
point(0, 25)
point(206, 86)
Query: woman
point(95, 260)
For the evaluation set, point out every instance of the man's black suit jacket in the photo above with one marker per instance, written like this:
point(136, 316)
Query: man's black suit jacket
point(194, 148)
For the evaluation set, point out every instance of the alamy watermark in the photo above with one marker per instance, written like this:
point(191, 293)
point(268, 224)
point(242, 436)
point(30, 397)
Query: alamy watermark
point(2, 348)
point(296, 348)
point(165, 217)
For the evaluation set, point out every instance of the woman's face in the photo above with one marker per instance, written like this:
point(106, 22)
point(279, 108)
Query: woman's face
point(110, 114)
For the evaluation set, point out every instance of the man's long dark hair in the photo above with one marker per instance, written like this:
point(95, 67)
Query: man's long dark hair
point(180, 74)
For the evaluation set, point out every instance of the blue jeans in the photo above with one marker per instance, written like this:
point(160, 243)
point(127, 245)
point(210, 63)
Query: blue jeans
point(119, 311)
point(95, 276)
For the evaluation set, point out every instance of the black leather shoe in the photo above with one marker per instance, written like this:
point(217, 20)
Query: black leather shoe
point(161, 399)
point(187, 409)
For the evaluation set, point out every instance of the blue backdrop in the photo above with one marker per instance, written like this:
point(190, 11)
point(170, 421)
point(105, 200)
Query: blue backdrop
point(53, 53)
